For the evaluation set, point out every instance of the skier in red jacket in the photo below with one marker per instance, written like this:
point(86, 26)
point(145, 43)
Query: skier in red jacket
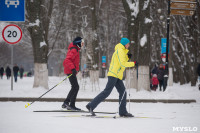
point(71, 66)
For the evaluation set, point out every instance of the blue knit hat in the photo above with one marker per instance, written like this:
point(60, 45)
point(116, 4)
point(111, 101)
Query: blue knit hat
point(124, 41)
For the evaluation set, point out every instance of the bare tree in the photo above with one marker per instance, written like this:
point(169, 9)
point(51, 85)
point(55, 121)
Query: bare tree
point(38, 16)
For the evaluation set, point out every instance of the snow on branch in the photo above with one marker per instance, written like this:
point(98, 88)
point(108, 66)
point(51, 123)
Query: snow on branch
point(147, 20)
point(134, 7)
point(42, 44)
point(143, 40)
point(146, 4)
point(37, 23)
point(178, 40)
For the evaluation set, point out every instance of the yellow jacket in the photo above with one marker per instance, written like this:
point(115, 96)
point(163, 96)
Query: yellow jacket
point(119, 62)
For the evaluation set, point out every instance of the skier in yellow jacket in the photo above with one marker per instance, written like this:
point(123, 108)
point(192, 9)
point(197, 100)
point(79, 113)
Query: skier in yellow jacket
point(118, 64)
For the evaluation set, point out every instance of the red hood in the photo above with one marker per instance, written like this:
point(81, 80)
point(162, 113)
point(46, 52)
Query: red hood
point(72, 45)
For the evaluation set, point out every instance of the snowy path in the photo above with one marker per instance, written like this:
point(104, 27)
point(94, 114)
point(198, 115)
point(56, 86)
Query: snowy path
point(16, 119)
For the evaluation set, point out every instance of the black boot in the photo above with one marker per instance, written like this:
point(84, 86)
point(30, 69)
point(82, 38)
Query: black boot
point(66, 106)
point(90, 110)
point(75, 108)
point(126, 115)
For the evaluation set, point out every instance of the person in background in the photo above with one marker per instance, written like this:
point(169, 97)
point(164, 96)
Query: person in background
point(71, 66)
point(154, 71)
point(166, 73)
point(8, 72)
point(29, 74)
point(1, 72)
point(155, 82)
point(160, 75)
point(21, 71)
point(15, 71)
point(118, 64)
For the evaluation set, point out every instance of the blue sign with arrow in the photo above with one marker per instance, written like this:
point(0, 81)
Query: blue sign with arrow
point(12, 10)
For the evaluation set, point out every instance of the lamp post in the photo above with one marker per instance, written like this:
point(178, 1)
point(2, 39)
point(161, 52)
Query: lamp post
point(168, 25)
point(168, 22)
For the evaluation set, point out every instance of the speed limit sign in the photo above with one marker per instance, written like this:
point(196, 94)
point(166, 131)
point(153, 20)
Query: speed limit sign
point(12, 34)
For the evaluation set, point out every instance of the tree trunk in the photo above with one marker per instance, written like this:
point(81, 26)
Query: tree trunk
point(139, 25)
point(143, 78)
point(40, 75)
point(35, 15)
point(131, 80)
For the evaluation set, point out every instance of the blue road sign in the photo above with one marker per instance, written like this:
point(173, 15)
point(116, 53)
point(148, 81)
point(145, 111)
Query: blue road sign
point(103, 59)
point(12, 10)
point(164, 45)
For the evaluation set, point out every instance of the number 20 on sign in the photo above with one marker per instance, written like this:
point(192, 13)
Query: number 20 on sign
point(12, 34)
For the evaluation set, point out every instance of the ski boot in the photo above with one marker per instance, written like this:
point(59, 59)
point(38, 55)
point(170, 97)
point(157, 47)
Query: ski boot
point(126, 115)
point(66, 106)
point(75, 108)
point(90, 110)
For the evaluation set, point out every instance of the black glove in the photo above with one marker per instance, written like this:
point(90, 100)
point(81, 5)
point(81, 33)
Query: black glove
point(136, 63)
point(129, 55)
point(74, 72)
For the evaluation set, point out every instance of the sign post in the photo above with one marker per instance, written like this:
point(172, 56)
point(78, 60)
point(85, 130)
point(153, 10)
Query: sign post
point(178, 7)
point(103, 66)
point(12, 72)
point(12, 11)
point(103, 61)
point(12, 34)
point(183, 7)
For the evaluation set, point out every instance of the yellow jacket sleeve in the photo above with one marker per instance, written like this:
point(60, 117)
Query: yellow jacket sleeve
point(123, 59)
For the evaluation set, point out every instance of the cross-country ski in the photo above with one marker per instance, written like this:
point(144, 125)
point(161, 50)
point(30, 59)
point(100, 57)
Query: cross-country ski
point(74, 111)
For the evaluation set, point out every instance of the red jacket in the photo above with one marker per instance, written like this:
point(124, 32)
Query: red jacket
point(155, 81)
point(72, 59)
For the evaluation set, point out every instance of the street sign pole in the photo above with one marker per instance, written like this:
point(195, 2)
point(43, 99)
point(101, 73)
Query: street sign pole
point(12, 34)
point(168, 24)
point(12, 68)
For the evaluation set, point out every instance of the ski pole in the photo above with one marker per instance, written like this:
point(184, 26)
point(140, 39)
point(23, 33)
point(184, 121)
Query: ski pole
point(129, 90)
point(119, 104)
point(28, 104)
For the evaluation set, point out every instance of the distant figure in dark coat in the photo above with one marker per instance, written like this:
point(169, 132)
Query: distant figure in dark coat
point(15, 70)
point(154, 70)
point(1, 72)
point(166, 73)
point(8, 72)
point(21, 71)
point(160, 75)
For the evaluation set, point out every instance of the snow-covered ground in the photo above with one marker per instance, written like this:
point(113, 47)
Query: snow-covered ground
point(23, 88)
point(163, 118)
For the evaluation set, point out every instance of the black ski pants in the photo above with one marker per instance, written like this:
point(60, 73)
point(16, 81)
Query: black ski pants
point(71, 97)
